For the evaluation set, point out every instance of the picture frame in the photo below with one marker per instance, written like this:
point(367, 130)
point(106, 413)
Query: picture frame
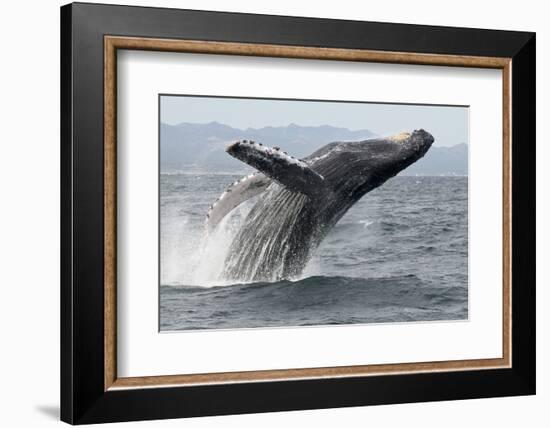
point(91, 390)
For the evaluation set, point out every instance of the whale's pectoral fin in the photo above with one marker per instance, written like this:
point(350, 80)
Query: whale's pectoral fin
point(237, 193)
point(286, 170)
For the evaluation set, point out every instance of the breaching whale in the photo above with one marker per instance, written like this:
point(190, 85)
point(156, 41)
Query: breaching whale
point(302, 199)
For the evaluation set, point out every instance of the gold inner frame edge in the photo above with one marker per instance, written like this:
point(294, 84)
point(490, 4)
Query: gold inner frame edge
point(113, 43)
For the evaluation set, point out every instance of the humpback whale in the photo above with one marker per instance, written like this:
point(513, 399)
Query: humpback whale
point(300, 200)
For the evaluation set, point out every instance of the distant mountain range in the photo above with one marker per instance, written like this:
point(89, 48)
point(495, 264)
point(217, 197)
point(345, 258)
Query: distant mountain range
point(441, 160)
point(201, 147)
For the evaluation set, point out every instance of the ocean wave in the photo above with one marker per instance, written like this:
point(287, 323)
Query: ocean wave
point(315, 300)
point(310, 281)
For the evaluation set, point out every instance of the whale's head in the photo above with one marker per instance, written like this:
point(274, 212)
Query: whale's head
point(354, 168)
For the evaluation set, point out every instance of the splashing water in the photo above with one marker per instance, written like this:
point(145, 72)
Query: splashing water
point(194, 257)
point(202, 261)
point(190, 255)
point(209, 260)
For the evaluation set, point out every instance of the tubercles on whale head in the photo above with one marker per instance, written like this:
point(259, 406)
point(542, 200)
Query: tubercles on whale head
point(405, 146)
point(396, 151)
point(418, 143)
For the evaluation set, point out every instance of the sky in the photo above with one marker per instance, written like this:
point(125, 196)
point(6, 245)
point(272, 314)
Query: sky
point(448, 124)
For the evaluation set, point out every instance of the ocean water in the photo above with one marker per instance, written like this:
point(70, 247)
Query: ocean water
point(399, 255)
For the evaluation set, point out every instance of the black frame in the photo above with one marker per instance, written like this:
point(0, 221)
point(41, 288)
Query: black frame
point(83, 399)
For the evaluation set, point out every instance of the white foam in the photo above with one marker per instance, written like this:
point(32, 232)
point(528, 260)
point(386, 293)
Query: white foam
point(190, 256)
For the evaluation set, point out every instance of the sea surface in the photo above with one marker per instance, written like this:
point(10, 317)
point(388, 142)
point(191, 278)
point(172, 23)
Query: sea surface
point(399, 255)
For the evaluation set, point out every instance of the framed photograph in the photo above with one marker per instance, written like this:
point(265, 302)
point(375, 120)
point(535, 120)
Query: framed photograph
point(265, 213)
